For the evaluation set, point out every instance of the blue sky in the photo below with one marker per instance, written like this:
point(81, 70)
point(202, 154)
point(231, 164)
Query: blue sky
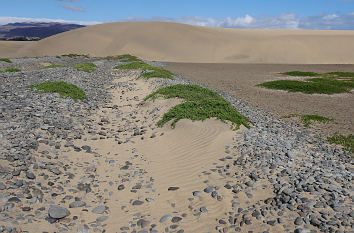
point(306, 14)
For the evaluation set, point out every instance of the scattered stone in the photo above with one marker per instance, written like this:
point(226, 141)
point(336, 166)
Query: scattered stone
point(58, 212)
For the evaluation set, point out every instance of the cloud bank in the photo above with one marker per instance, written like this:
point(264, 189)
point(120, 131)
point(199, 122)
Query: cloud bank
point(284, 21)
point(73, 8)
point(6, 20)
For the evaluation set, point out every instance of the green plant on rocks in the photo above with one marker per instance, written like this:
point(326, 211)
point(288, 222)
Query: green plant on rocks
point(64, 89)
point(346, 141)
point(307, 119)
point(149, 70)
point(301, 74)
point(312, 86)
point(87, 67)
point(73, 55)
point(5, 60)
point(199, 104)
point(124, 58)
point(12, 70)
point(52, 66)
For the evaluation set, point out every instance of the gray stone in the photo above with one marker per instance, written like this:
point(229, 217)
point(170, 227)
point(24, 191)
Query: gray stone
point(58, 212)
point(99, 209)
point(77, 204)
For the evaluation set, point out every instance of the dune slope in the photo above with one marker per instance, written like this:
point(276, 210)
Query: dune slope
point(163, 41)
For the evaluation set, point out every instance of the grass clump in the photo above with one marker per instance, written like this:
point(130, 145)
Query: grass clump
point(12, 70)
point(346, 141)
point(199, 104)
point(87, 67)
point(150, 71)
point(73, 55)
point(52, 66)
point(307, 119)
point(64, 89)
point(5, 60)
point(301, 74)
point(312, 86)
point(124, 58)
point(341, 74)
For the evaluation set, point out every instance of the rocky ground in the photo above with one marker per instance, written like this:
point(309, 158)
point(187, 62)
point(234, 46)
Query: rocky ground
point(102, 165)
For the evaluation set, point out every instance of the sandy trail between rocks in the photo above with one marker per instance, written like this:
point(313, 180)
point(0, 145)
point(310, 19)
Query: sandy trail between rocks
point(147, 165)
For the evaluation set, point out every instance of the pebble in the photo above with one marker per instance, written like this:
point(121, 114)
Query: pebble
point(58, 212)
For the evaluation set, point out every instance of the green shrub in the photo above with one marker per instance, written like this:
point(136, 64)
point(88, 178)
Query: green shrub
point(300, 74)
point(52, 66)
point(72, 55)
point(5, 60)
point(124, 58)
point(150, 71)
point(199, 104)
point(346, 141)
point(64, 89)
point(311, 86)
point(12, 70)
point(87, 67)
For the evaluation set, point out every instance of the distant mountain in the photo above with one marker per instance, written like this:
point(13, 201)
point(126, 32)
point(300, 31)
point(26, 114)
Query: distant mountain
point(33, 31)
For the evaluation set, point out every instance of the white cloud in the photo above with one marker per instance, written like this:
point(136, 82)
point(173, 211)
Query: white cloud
point(284, 21)
point(73, 8)
point(6, 20)
point(330, 17)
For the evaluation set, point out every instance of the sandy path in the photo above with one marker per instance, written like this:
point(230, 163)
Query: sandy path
point(148, 167)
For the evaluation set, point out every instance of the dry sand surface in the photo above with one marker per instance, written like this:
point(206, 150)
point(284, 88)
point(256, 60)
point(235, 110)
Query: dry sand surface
point(240, 80)
point(174, 42)
point(180, 157)
point(116, 171)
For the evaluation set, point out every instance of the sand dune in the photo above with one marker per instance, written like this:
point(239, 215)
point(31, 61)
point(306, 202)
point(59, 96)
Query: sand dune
point(163, 41)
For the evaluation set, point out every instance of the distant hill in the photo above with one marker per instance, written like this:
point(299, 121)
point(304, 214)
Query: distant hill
point(162, 41)
point(33, 31)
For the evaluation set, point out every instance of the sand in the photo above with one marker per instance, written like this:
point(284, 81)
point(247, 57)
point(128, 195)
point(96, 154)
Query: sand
point(180, 157)
point(240, 80)
point(174, 42)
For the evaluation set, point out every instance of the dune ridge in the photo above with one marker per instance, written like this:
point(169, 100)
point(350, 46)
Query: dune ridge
point(162, 41)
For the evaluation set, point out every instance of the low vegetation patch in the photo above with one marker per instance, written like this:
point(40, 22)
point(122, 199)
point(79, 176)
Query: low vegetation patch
point(124, 58)
point(149, 70)
point(341, 74)
point(346, 141)
point(73, 55)
point(301, 74)
point(307, 119)
point(12, 70)
point(199, 104)
point(87, 67)
point(312, 86)
point(64, 89)
point(52, 66)
point(5, 60)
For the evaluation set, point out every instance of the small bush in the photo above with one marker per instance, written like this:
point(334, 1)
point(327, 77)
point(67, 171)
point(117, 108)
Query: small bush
point(307, 119)
point(87, 67)
point(12, 70)
point(64, 89)
point(124, 58)
point(342, 74)
point(311, 86)
point(150, 71)
point(301, 74)
point(346, 141)
point(5, 60)
point(72, 55)
point(52, 66)
point(200, 104)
